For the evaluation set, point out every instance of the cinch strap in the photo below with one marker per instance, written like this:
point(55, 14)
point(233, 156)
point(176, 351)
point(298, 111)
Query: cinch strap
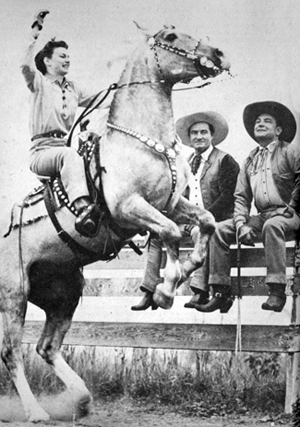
point(52, 134)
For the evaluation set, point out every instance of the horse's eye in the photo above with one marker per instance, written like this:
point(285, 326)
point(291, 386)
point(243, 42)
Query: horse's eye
point(171, 37)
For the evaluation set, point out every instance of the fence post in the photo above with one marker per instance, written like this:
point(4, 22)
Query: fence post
point(293, 363)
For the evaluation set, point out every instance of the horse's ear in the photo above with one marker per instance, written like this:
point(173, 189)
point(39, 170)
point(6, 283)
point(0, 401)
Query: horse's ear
point(150, 32)
point(147, 32)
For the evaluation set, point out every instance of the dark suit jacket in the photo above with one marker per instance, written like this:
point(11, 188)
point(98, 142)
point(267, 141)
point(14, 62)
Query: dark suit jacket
point(218, 181)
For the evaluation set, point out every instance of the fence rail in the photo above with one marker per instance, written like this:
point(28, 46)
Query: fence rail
point(109, 322)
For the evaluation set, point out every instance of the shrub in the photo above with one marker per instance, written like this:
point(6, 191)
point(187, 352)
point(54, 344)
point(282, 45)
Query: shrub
point(211, 383)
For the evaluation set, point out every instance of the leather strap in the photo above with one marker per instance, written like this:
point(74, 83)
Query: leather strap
point(76, 247)
point(102, 203)
point(52, 134)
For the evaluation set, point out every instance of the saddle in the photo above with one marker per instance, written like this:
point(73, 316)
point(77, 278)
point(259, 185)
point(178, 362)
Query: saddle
point(53, 193)
point(56, 197)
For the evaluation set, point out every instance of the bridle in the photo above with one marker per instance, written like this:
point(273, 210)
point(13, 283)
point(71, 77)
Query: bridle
point(169, 153)
point(181, 52)
point(152, 44)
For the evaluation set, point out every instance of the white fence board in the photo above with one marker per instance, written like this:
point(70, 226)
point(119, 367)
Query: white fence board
point(118, 309)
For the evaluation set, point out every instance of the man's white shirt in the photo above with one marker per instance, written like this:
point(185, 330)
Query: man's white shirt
point(194, 182)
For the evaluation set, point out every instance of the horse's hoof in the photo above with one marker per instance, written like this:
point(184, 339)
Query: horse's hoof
point(83, 406)
point(163, 300)
point(38, 416)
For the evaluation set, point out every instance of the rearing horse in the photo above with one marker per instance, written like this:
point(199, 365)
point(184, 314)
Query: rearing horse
point(147, 121)
point(142, 176)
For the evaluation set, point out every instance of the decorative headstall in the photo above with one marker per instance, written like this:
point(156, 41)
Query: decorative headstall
point(169, 153)
point(186, 54)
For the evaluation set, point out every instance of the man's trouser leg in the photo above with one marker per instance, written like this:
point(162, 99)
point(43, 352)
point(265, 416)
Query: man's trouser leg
point(151, 276)
point(219, 253)
point(152, 267)
point(200, 277)
point(275, 232)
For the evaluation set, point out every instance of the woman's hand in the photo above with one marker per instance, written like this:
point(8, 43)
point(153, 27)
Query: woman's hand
point(38, 22)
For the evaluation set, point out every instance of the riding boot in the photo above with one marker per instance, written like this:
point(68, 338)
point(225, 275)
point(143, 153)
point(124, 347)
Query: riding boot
point(276, 299)
point(146, 302)
point(87, 222)
point(201, 298)
point(222, 300)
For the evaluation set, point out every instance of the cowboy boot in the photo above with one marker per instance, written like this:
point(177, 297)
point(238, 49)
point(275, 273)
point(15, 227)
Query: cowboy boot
point(146, 302)
point(222, 300)
point(200, 298)
point(276, 299)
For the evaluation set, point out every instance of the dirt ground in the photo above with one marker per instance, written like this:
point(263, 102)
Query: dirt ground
point(125, 413)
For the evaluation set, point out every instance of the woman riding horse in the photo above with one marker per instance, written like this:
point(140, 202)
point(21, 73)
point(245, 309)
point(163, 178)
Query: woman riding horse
point(142, 174)
point(54, 101)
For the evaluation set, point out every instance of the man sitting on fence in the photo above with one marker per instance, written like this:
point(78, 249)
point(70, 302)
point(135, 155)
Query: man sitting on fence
point(270, 178)
point(211, 186)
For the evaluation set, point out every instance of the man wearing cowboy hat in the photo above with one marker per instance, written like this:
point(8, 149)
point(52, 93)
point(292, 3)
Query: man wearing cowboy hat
point(269, 177)
point(211, 186)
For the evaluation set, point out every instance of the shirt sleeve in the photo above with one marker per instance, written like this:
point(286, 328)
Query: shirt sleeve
point(29, 70)
point(243, 195)
point(294, 161)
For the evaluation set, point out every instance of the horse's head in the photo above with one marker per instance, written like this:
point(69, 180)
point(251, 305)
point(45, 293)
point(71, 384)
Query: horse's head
point(179, 57)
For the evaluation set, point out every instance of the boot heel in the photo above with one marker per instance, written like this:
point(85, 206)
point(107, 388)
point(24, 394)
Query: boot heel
point(145, 303)
point(227, 306)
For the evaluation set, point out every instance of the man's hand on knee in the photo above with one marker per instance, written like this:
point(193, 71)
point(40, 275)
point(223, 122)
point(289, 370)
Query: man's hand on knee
point(246, 235)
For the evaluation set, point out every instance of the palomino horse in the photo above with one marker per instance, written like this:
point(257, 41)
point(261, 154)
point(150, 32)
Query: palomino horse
point(143, 177)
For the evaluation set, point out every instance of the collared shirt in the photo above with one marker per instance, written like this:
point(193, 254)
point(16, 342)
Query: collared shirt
point(52, 105)
point(264, 189)
point(195, 196)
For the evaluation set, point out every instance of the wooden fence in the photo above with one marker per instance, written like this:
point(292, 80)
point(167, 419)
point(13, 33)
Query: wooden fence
point(109, 322)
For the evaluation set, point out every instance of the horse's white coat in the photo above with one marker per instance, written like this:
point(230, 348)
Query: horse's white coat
point(31, 406)
point(137, 185)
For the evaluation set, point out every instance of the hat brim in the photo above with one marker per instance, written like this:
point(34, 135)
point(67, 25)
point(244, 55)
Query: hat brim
point(283, 116)
point(217, 121)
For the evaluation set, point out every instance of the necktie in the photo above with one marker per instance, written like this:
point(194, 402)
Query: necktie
point(259, 160)
point(196, 163)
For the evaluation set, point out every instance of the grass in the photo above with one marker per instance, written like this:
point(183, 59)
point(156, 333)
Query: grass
point(194, 383)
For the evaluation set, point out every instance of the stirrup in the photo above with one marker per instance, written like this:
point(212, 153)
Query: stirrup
point(87, 223)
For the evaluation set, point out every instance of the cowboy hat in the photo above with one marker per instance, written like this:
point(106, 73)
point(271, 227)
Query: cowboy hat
point(217, 121)
point(283, 116)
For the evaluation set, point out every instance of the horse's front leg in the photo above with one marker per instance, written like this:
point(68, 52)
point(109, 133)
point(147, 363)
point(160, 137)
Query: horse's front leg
point(187, 213)
point(64, 292)
point(144, 216)
point(12, 320)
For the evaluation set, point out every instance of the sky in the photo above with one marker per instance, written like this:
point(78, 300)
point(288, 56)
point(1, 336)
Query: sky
point(261, 38)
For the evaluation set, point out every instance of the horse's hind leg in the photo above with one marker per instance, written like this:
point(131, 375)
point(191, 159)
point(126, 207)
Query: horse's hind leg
point(60, 299)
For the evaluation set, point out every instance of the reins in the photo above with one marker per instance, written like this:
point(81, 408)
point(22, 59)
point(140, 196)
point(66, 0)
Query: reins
point(114, 86)
point(88, 110)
